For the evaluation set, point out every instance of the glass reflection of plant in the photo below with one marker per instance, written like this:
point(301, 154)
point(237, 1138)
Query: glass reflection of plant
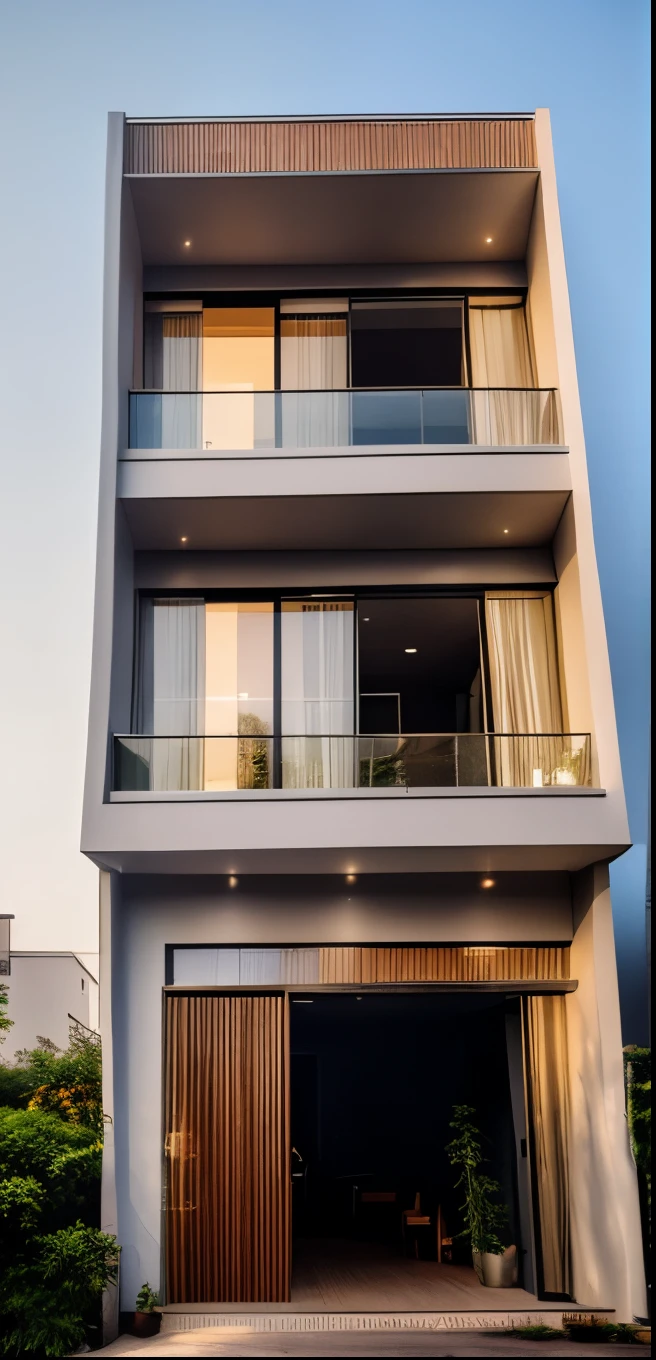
point(252, 755)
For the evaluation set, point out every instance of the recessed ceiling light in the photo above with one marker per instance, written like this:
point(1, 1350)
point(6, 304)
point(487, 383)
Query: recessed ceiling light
point(233, 881)
point(487, 882)
point(488, 241)
point(365, 620)
point(411, 650)
point(301, 1001)
point(187, 244)
point(506, 531)
point(184, 539)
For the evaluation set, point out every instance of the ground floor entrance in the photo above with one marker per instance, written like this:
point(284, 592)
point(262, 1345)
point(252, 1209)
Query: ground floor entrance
point(307, 1137)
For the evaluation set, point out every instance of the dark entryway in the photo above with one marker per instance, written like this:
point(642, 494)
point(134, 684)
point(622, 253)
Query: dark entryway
point(374, 1078)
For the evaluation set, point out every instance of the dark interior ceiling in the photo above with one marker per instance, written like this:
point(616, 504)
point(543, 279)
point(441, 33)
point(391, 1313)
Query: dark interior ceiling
point(429, 217)
point(445, 633)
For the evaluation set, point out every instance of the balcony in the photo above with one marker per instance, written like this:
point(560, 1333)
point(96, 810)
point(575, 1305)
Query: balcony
point(216, 424)
point(161, 765)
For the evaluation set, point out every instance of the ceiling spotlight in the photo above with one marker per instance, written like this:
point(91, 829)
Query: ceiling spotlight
point(411, 651)
point(233, 881)
point(506, 531)
point(365, 620)
point(351, 878)
point(488, 241)
point(187, 244)
point(487, 882)
point(184, 539)
point(301, 1001)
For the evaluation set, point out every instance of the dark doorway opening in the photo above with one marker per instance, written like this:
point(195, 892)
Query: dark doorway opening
point(374, 1078)
point(407, 343)
point(419, 666)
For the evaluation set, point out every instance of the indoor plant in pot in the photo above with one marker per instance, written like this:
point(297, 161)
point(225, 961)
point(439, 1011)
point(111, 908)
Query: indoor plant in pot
point(485, 1219)
point(146, 1321)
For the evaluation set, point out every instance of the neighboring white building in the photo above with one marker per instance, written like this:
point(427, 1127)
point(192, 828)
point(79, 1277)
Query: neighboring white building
point(353, 780)
point(47, 991)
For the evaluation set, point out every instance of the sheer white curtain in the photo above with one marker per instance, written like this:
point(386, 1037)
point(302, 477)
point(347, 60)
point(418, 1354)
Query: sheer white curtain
point(278, 965)
point(172, 365)
point(313, 353)
point(525, 687)
point(317, 696)
point(501, 358)
point(178, 693)
point(549, 1098)
point(181, 374)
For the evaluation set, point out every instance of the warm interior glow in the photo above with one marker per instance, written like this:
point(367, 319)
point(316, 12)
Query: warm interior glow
point(351, 878)
point(488, 240)
point(238, 358)
point(187, 243)
point(487, 883)
point(184, 538)
point(411, 650)
point(233, 881)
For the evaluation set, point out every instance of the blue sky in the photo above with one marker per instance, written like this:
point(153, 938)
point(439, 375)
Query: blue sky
point(62, 67)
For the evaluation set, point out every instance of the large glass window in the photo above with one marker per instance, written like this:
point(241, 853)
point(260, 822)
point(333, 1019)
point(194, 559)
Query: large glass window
point(206, 670)
point(407, 343)
point(238, 360)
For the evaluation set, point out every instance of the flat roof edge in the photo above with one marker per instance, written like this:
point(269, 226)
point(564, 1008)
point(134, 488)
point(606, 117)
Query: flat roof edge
point(336, 118)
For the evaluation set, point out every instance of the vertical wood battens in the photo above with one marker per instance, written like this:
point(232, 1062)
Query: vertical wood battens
point(206, 148)
point(396, 963)
point(228, 1218)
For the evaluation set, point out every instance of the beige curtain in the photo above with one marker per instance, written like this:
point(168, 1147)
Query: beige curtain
point(312, 372)
point(228, 1212)
point(546, 1031)
point(501, 359)
point(525, 688)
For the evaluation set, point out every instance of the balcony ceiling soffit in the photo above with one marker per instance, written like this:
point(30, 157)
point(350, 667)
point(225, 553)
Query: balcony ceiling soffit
point(460, 520)
point(387, 218)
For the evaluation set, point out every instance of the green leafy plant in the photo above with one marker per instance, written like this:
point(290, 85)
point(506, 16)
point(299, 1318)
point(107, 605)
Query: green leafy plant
point(637, 1065)
point(48, 1301)
point(537, 1331)
point(383, 771)
point(484, 1219)
point(5, 1022)
point(147, 1299)
point(54, 1261)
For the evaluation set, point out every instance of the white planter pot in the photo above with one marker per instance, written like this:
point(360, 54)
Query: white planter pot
point(561, 776)
point(497, 1272)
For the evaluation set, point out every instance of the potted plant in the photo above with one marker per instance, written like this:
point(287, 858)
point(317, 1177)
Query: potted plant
point(495, 1263)
point(146, 1321)
point(568, 770)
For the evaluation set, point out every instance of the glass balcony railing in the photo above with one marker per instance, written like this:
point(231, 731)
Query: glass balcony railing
point(199, 764)
point(215, 422)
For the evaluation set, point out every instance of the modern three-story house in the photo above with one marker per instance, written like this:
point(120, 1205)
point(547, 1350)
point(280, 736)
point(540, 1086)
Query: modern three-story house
point(353, 780)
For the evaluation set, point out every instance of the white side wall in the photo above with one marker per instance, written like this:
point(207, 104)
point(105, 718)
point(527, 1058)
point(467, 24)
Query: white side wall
point(607, 1258)
point(44, 989)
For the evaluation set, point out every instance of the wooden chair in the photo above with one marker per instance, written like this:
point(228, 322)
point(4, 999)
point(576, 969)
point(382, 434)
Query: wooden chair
point(411, 1221)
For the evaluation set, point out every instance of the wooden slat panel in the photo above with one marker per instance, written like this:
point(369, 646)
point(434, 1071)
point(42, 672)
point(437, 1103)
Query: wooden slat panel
point(398, 963)
point(228, 1212)
point(290, 148)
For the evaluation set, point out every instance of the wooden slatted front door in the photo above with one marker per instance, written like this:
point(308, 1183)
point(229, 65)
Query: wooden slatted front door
point(228, 1207)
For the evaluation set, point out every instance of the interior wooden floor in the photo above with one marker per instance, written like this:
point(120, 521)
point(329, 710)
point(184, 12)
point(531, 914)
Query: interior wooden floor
point(335, 1276)
point(345, 1276)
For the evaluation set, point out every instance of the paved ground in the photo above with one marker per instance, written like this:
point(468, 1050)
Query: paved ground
point(239, 1341)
